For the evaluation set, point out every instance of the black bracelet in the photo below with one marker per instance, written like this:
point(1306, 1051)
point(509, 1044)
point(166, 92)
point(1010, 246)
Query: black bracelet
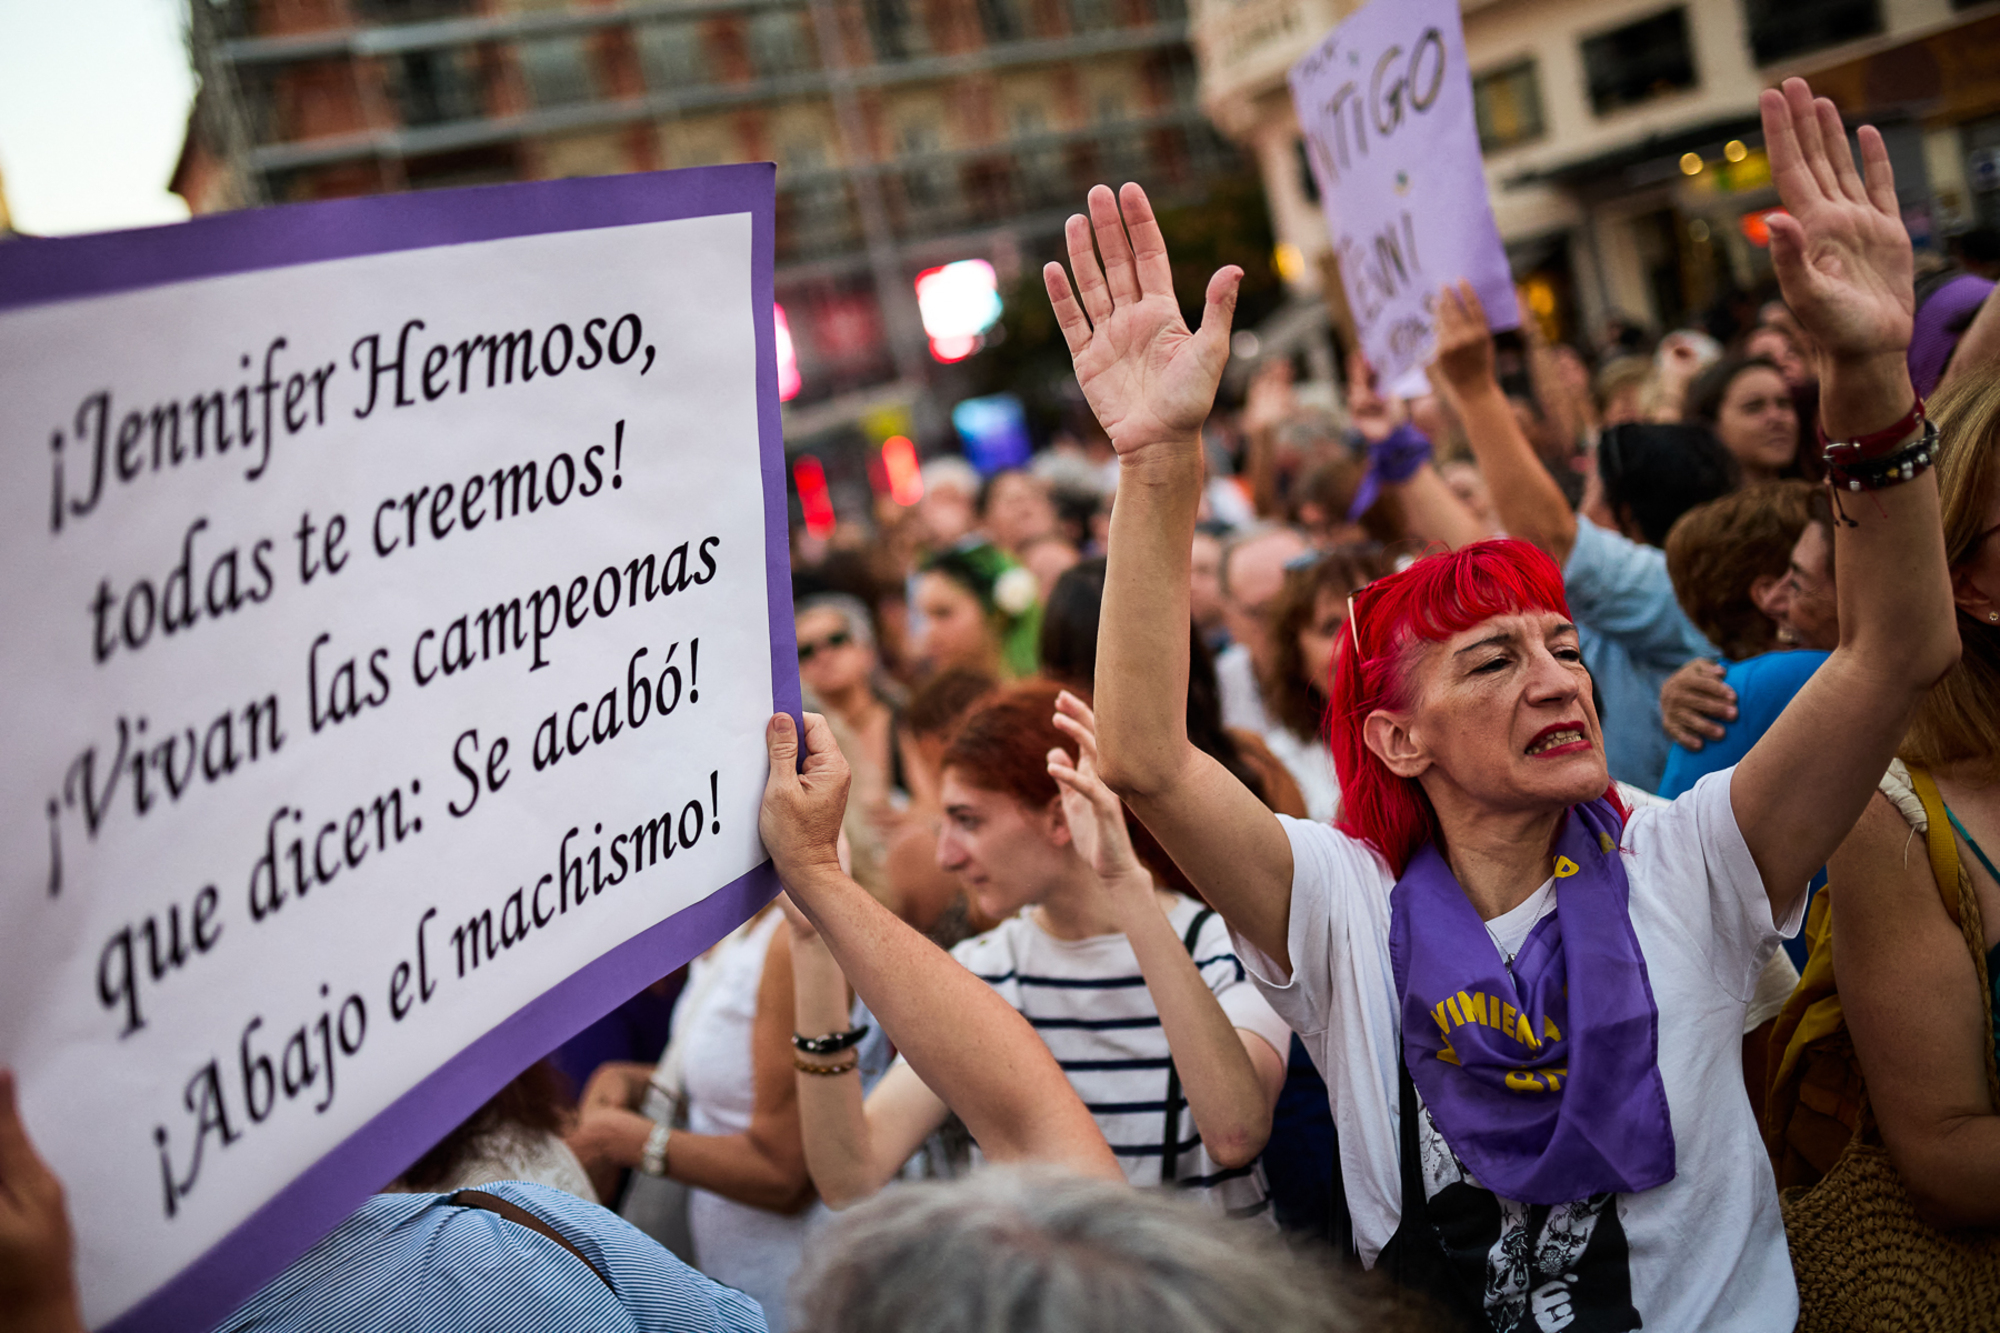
point(1905, 464)
point(833, 1043)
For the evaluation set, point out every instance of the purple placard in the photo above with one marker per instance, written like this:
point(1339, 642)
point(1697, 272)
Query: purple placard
point(39, 271)
point(1385, 105)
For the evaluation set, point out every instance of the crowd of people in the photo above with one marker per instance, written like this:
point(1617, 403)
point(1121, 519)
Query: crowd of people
point(1404, 837)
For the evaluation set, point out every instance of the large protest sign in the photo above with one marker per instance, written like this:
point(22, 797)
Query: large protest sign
point(395, 592)
point(1385, 104)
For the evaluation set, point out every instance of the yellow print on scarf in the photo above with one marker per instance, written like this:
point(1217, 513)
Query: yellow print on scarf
point(1490, 1011)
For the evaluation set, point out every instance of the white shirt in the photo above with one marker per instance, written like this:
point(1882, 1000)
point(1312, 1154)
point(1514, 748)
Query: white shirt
point(1704, 1251)
point(1311, 765)
point(1088, 1000)
point(750, 1249)
point(1236, 686)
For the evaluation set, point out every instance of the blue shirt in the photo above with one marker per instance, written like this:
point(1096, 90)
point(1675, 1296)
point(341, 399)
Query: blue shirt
point(1633, 635)
point(410, 1263)
point(1764, 684)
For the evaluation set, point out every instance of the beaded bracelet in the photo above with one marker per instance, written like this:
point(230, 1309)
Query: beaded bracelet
point(847, 1066)
point(1874, 474)
point(833, 1043)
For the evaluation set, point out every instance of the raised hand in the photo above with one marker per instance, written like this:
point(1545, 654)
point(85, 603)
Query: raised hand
point(1147, 377)
point(1375, 416)
point(1842, 256)
point(1464, 355)
point(1095, 815)
point(800, 818)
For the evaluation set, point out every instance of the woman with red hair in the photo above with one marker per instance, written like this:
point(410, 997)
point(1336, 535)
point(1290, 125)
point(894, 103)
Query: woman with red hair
point(1527, 1001)
point(1134, 988)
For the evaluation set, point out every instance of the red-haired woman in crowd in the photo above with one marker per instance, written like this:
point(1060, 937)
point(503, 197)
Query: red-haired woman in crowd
point(1528, 997)
point(1136, 991)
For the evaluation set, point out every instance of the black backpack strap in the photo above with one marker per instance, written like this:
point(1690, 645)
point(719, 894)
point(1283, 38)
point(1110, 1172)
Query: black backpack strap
point(515, 1213)
point(1170, 1141)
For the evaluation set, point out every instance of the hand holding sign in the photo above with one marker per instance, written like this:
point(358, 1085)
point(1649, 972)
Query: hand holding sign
point(1147, 377)
point(37, 1288)
point(800, 817)
point(1464, 342)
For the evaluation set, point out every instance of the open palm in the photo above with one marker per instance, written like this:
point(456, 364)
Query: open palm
point(1095, 815)
point(1147, 377)
point(1841, 252)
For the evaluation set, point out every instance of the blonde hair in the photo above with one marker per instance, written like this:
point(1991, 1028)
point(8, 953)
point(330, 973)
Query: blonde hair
point(1959, 720)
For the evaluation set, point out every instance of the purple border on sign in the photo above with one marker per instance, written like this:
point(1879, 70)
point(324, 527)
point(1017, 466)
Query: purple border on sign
point(37, 271)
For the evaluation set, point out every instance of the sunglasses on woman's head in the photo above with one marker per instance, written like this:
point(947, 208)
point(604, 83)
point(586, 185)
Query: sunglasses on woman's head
point(840, 638)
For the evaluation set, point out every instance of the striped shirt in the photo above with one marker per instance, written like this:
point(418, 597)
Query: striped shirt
point(1089, 1002)
point(411, 1263)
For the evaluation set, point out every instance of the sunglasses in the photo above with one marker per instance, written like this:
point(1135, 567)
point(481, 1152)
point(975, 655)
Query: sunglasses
point(840, 638)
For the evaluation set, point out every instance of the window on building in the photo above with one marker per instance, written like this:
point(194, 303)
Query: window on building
point(436, 86)
point(896, 28)
point(1508, 106)
point(1782, 28)
point(670, 54)
point(929, 185)
point(557, 70)
point(1092, 15)
point(1003, 20)
point(779, 43)
point(802, 154)
point(410, 11)
point(1041, 176)
point(1639, 62)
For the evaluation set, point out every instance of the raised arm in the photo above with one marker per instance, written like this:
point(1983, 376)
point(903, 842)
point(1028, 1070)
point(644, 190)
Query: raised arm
point(1526, 499)
point(1151, 383)
point(1843, 260)
point(1400, 459)
point(1232, 1077)
point(965, 1042)
point(853, 1147)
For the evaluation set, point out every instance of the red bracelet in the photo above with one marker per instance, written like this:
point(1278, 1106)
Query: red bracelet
point(1846, 453)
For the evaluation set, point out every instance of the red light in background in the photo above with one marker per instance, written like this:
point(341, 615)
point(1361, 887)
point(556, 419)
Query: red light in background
point(1757, 228)
point(789, 382)
point(814, 498)
point(899, 462)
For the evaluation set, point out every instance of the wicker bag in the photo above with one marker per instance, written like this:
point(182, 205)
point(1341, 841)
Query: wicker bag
point(1865, 1260)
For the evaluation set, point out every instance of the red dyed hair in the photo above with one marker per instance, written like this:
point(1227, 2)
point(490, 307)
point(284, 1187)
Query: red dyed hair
point(1003, 746)
point(1004, 742)
point(1435, 598)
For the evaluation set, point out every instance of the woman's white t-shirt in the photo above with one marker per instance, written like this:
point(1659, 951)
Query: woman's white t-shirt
point(1088, 1001)
point(750, 1249)
point(1704, 1251)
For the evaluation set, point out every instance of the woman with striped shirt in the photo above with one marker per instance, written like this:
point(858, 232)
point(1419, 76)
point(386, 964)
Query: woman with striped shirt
point(1136, 992)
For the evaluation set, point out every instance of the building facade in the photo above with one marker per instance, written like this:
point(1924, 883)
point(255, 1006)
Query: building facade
point(907, 133)
point(1624, 158)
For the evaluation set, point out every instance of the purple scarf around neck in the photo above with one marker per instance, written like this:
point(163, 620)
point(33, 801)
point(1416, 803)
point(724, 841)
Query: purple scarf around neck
point(1543, 1099)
